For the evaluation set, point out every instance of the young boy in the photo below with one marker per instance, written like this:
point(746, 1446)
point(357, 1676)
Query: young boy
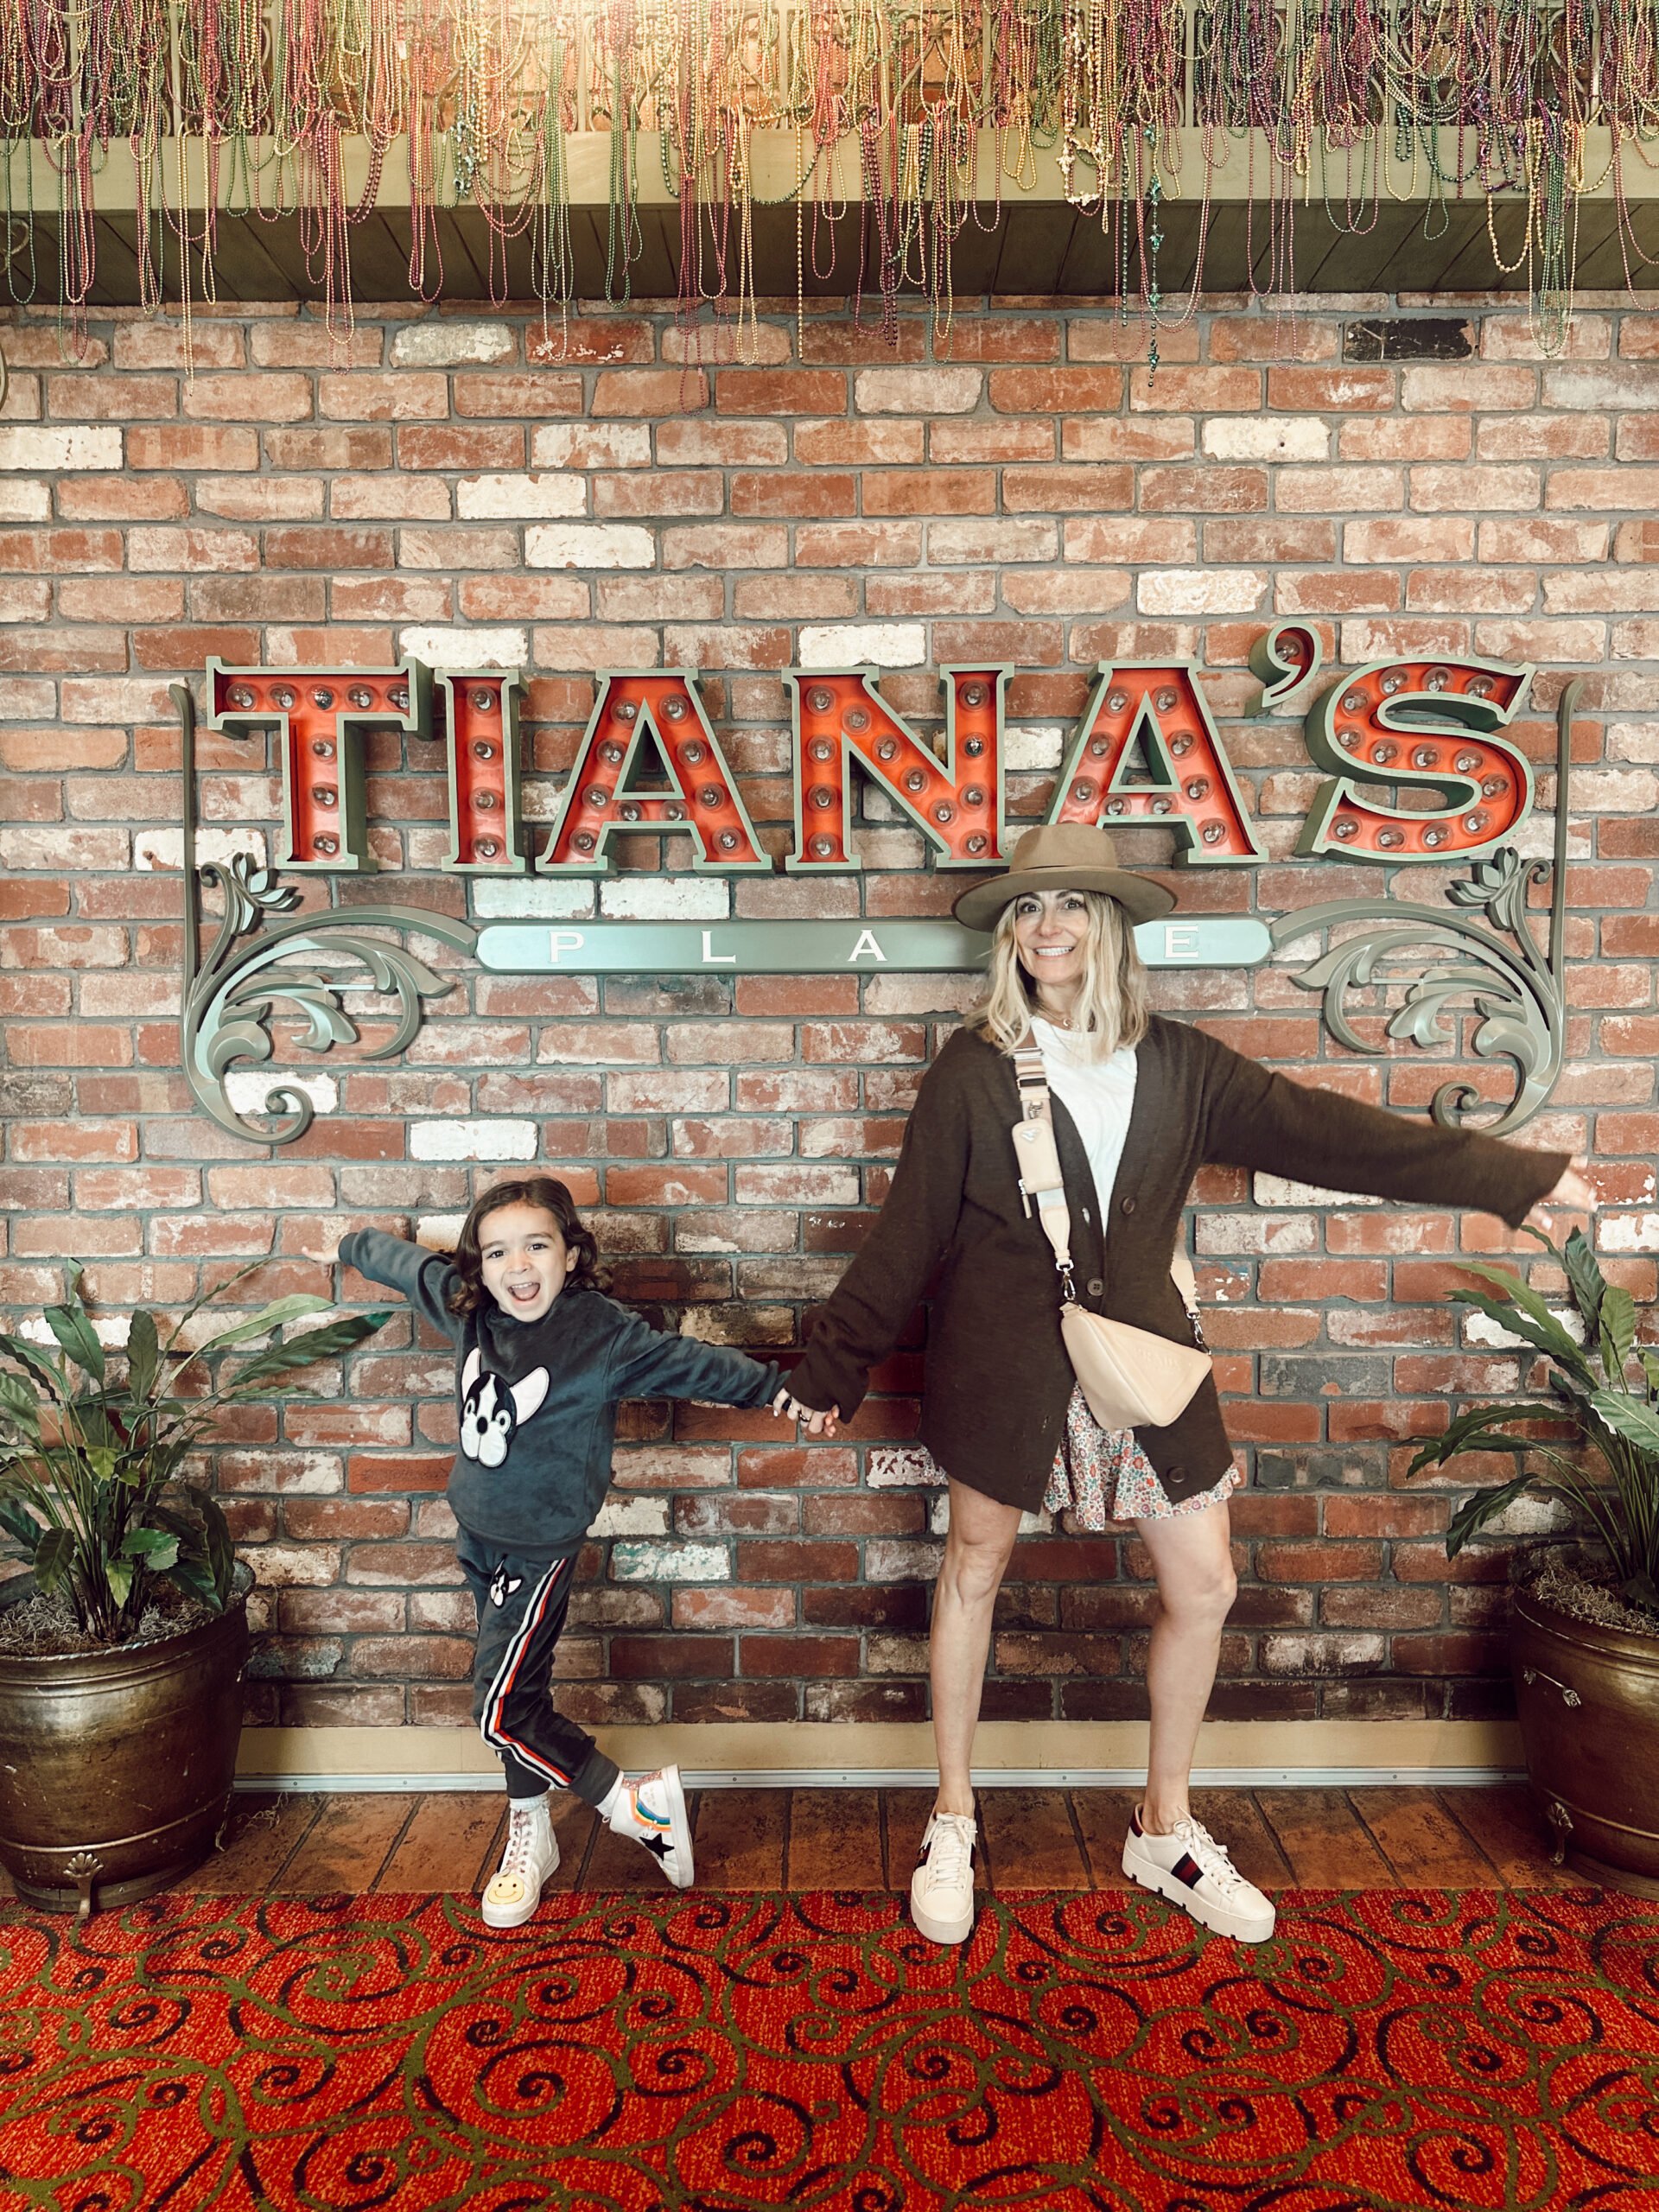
point(542, 1360)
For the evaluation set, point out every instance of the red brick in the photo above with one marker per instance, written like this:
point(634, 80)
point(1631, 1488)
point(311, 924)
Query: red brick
point(1056, 391)
point(767, 392)
point(649, 392)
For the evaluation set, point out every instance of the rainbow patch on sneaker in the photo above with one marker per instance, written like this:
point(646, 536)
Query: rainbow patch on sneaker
point(646, 1818)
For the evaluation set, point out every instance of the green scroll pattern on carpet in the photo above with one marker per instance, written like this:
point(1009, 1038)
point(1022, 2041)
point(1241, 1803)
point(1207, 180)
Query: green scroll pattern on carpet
point(719, 2053)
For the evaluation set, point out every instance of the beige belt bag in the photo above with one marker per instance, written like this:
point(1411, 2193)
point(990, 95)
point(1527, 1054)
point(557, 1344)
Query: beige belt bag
point(1131, 1378)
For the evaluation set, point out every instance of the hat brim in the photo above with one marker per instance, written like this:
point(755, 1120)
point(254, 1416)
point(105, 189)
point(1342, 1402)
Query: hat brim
point(1142, 899)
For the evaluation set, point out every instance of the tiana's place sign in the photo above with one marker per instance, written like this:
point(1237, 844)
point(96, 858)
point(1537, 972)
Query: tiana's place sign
point(1146, 748)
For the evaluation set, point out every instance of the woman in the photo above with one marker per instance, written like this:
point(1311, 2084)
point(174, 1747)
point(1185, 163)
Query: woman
point(1139, 1104)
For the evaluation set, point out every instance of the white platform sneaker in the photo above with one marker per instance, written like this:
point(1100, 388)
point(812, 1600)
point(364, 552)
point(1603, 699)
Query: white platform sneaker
point(942, 1888)
point(514, 1890)
point(1189, 1868)
point(651, 1807)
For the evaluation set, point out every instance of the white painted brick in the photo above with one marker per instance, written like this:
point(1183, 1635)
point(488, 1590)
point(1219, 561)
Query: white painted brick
point(110, 1330)
point(666, 899)
point(1530, 1516)
point(901, 1467)
point(1277, 1233)
point(452, 345)
point(1535, 838)
point(1286, 437)
point(1633, 741)
point(246, 1089)
point(1628, 1232)
point(631, 1516)
point(1480, 1328)
point(1034, 746)
point(69, 445)
point(530, 897)
point(439, 1232)
point(590, 545)
point(1615, 790)
point(497, 648)
point(47, 844)
point(1274, 1191)
point(157, 850)
point(1201, 591)
point(490, 1140)
point(532, 497)
point(849, 645)
point(22, 502)
point(291, 1567)
point(895, 1559)
point(669, 1562)
point(590, 445)
point(919, 391)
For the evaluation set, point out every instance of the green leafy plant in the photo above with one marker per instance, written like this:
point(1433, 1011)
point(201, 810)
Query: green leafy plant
point(93, 1491)
point(1605, 1391)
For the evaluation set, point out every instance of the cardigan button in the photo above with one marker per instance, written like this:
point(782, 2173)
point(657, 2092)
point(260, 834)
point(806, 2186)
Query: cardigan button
point(1096, 1286)
point(1126, 1205)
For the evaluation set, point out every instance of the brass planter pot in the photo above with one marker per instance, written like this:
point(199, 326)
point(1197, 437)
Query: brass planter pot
point(1588, 1700)
point(116, 1766)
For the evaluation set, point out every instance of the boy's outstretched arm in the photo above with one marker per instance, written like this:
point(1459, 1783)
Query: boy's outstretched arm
point(647, 1364)
point(424, 1278)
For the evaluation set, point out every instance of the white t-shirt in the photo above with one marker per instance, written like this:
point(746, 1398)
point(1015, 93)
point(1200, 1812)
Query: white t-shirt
point(1099, 1095)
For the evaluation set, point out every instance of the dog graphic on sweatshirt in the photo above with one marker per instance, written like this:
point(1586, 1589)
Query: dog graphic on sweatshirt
point(492, 1411)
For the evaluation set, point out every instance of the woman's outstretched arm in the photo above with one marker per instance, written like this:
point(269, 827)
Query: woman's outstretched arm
point(1256, 1119)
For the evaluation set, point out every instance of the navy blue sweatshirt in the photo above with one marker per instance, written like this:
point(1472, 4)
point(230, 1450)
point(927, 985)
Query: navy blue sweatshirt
point(539, 1399)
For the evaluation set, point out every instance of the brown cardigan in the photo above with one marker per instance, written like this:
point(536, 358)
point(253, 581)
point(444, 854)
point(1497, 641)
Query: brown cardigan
point(998, 1379)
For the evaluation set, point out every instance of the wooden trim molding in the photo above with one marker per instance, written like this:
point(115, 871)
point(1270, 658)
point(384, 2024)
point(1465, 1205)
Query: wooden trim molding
point(863, 1754)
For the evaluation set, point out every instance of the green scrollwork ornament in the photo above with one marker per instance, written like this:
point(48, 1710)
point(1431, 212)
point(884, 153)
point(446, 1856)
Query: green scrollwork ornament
point(1452, 966)
point(256, 965)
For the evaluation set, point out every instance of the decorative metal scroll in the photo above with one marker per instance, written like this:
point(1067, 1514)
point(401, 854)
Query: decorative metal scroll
point(1450, 966)
point(302, 964)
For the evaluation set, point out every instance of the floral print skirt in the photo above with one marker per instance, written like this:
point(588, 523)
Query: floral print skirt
point(1100, 1476)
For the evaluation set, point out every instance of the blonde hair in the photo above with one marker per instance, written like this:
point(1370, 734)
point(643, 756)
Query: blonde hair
point(1111, 1009)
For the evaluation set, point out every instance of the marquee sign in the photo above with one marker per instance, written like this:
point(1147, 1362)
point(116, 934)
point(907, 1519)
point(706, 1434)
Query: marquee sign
point(1146, 748)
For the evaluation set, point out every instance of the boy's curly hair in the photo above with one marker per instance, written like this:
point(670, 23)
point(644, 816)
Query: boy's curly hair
point(551, 1196)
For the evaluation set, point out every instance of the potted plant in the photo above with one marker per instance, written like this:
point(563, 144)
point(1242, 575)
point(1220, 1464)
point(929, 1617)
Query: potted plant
point(1585, 1637)
point(122, 1647)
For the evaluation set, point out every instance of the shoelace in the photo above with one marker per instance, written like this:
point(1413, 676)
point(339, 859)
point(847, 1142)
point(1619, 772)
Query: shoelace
point(949, 1851)
point(516, 1859)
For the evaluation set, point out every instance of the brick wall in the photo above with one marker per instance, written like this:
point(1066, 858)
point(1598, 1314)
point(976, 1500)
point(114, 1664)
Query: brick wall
point(1021, 490)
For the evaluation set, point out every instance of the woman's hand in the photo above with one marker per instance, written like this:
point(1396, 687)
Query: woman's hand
point(1573, 1192)
point(817, 1423)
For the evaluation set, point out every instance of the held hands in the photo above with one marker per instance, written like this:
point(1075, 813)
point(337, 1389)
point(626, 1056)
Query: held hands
point(1574, 1191)
point(816, 1423)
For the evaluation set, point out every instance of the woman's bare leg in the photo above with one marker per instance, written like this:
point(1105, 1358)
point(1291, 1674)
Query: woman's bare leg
point(1192, 1557)
point(976, 1550)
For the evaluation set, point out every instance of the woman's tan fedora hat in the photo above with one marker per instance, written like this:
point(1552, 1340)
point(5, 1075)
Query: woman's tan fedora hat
point(1063, 856)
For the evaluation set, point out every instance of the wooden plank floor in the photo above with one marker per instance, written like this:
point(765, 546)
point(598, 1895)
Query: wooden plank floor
point(863, 1839)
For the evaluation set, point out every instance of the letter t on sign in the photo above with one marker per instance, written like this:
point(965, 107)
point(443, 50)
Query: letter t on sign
point(321, 716)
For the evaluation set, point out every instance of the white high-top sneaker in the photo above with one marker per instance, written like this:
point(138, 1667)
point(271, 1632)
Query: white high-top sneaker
point(651, 1807)
point(942, 1888)
point(514, 1890)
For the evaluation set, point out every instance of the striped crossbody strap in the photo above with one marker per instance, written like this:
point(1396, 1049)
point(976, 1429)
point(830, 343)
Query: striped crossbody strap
point(1042, 1187)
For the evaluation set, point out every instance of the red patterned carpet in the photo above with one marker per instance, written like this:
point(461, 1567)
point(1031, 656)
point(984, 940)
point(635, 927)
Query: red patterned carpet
point(1388, 2051)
